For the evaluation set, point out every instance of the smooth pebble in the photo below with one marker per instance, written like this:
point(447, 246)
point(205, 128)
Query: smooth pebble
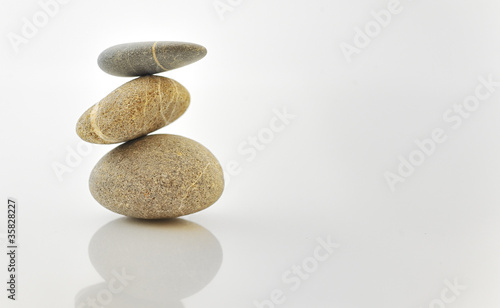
point(135, 109)
point(157, 176)
point(147, 58)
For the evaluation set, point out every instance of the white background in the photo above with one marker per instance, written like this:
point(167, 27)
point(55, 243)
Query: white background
point(321, 176)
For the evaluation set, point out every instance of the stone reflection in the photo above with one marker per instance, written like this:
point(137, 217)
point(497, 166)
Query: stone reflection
point(150, 263)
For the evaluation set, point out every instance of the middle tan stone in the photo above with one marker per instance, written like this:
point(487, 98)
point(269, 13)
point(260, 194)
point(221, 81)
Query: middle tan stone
point(135, 109)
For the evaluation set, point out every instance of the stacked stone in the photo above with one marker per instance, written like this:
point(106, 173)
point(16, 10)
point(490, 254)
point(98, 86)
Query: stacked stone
point(148, 176)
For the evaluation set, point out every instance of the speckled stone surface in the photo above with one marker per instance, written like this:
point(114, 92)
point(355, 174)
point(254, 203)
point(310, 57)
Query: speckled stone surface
point(157, 176)
point(135, 109)
point(147, 58)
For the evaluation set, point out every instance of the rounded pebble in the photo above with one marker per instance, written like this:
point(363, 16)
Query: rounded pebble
point(135, 109)
point(157, 176)
point(147, 58)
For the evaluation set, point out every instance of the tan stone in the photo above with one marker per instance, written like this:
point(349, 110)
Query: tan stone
point(157, 176)
point(135, 109)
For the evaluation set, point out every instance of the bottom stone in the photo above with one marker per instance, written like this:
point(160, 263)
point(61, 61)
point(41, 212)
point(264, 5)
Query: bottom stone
point(157, 176)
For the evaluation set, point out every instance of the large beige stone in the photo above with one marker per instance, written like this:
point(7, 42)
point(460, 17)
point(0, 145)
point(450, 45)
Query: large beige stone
point(157, 176)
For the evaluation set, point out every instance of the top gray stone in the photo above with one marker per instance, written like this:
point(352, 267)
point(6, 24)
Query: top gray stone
point(147, 58)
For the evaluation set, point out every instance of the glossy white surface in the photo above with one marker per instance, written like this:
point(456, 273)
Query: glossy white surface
point(314, 177)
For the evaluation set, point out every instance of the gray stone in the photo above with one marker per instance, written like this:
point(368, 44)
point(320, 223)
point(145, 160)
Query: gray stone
point(147, 58)
point(157, 176)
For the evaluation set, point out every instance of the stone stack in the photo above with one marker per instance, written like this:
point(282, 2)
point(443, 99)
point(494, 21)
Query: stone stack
point(149, 176)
